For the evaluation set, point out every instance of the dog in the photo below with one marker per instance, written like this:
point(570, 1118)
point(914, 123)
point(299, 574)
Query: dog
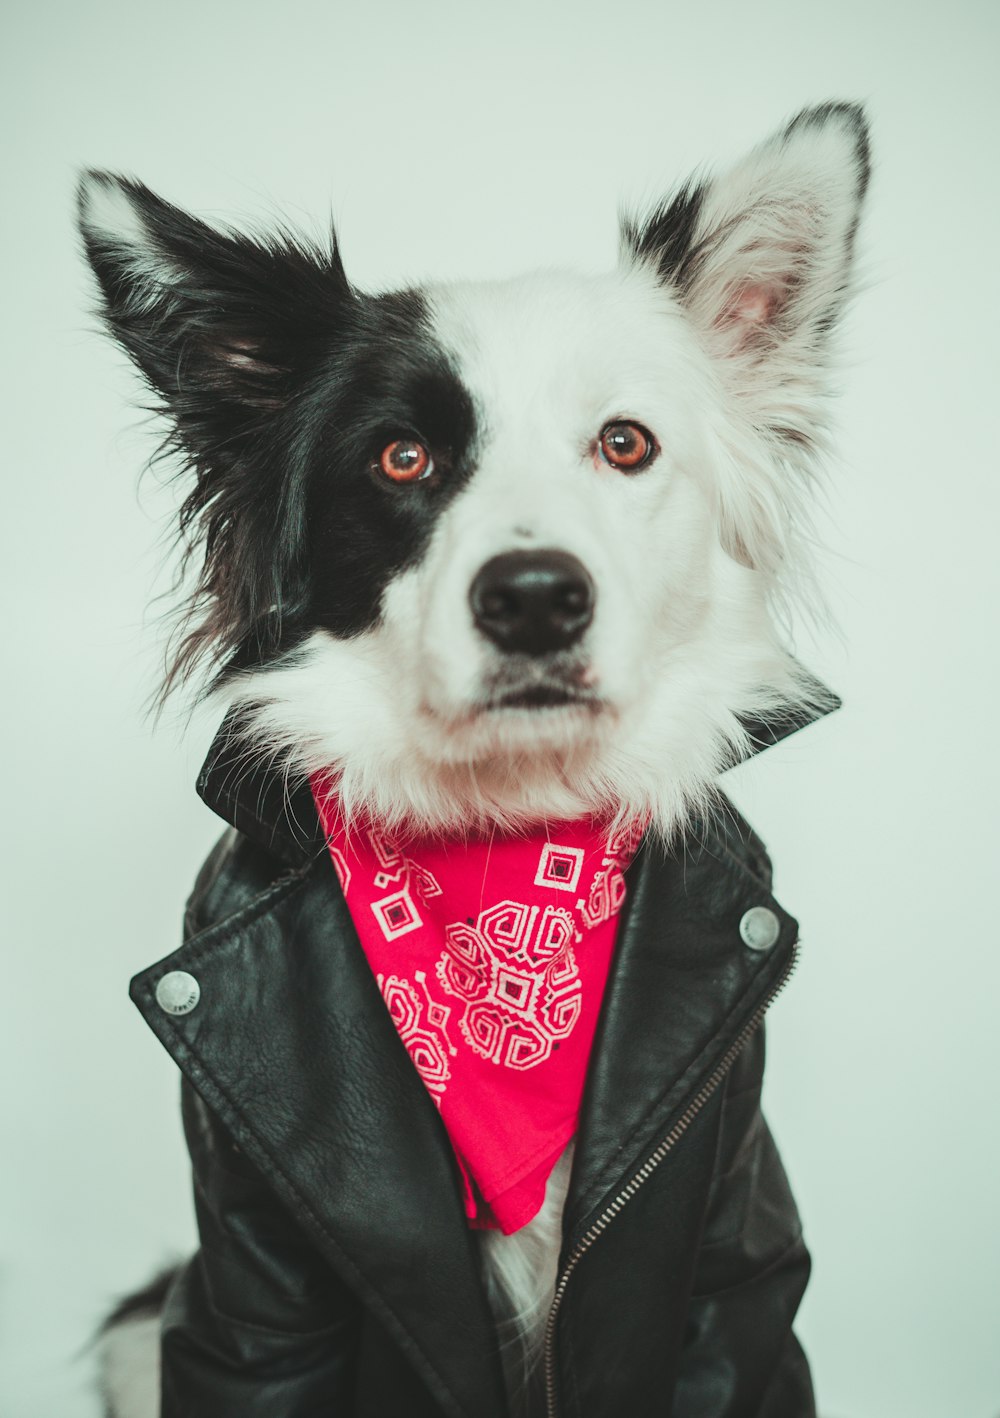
point(503, 553)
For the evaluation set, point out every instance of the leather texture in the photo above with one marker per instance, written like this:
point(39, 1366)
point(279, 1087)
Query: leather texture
point(336, 1277)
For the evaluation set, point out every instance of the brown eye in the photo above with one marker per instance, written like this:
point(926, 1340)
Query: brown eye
point(626, 446)
point(405, 461)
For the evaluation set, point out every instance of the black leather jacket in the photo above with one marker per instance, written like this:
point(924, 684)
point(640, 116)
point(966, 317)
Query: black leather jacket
point(336, 1275)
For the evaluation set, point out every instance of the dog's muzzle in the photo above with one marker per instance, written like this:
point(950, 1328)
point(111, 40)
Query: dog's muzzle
point(532, 602)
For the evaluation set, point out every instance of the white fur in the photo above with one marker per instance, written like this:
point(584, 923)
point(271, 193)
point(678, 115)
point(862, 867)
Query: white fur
point(779, 223)
point(682, 641)
point(690, 559)
point(109, 217)
point(108, 213)
point(129, 1359)
point(520, 1274)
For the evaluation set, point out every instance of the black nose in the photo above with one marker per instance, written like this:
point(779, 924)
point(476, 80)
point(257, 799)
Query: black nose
point(533, 602)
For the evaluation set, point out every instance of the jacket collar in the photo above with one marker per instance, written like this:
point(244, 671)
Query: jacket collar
point(249, 790)
point(292, 1048)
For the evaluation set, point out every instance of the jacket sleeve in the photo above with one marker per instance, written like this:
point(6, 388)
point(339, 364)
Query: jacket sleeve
point(256, 1325)
point(741, 1358)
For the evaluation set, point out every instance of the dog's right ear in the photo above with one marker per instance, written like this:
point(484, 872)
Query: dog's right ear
point(224, 328)
point(227, 331)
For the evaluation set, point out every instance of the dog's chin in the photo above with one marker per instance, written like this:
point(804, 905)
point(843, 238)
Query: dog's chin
point(531, 721)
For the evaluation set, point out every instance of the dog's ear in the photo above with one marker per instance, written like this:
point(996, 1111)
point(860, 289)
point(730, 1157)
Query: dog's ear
point(227, 331)
point(225, 328)
point(760, 257)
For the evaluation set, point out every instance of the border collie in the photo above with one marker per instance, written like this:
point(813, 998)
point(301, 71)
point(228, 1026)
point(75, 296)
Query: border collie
point(501, 552)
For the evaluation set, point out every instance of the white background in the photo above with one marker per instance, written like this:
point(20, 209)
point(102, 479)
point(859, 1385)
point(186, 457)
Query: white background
point(451, 139)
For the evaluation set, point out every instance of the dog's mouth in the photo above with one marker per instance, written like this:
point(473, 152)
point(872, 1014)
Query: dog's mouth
point(557, 687)
point(525, 710)
point(542, 696)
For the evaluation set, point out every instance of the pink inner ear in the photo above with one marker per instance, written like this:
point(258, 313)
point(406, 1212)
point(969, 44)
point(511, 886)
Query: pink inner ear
point(753, 307)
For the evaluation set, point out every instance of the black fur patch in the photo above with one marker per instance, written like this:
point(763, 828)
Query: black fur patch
point(388, 378)
point(141, 1304)
point(665, 238)
point(281, 384)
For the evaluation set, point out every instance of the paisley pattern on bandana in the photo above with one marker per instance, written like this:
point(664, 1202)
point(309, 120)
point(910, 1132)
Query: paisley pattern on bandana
point(492, 956)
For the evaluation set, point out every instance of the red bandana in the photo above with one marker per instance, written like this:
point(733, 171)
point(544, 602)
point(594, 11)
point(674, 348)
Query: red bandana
point(492, 956)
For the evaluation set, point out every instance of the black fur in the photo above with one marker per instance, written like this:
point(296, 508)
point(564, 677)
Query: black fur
point(282, 384)
point(141, 1304)
point(666, 236)
point(387, 378)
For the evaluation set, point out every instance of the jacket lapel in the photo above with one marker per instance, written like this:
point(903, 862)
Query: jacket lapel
point(293, 1047)
point(683, 986)
point(682, 991)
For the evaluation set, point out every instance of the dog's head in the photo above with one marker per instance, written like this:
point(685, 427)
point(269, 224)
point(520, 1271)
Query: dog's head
point(507, 550)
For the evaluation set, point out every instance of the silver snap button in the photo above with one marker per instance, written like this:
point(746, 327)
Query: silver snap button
point(759, 928)
point(177, 992)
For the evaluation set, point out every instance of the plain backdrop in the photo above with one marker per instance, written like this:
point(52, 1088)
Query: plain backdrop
point(456, 139)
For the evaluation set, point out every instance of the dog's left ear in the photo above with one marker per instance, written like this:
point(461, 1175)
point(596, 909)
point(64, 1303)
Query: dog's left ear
point(760, 257)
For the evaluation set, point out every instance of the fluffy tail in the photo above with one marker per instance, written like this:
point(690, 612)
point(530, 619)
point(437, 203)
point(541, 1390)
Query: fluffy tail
point(128, 1345)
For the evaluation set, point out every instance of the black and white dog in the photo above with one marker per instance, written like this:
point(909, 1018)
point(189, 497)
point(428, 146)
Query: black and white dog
point(504, 551)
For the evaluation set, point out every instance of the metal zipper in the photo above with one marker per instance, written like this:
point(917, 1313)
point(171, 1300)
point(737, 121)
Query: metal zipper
point(678, 1130)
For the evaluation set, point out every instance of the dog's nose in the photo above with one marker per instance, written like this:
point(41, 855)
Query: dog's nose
point(533, 602)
